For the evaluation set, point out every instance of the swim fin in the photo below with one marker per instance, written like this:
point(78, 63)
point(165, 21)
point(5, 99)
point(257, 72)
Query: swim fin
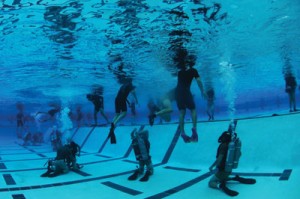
point(145, 178)
point(113, 139)
point(227, 190)
point(112, 135)
point(244, 180)
point(134, 176)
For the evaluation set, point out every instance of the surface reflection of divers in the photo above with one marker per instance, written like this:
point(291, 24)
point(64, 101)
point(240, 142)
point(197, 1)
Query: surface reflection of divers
point(228, 155)
point(141, 147)
point(64, 161)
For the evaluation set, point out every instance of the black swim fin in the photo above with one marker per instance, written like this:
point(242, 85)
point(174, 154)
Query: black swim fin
point(244, 180)
point(46, 174)
point(113, 139)
point(112, 135)
point(134, 176)
point(145, 178)
point(227, 190)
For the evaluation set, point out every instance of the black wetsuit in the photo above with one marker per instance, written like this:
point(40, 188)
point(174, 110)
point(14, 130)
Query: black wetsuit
point(97, 101)
point(20, 119)
point(120, 101)
point(210, 95)
point(64, 153)
point(223, 148)
point(184, 96)
point(291, 84)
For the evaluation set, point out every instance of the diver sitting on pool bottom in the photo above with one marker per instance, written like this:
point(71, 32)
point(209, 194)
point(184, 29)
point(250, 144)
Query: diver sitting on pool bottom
point(228, 154)
point(64, 161)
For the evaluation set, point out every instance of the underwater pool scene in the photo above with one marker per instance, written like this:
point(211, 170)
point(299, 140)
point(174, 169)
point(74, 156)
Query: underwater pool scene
point(107, 82)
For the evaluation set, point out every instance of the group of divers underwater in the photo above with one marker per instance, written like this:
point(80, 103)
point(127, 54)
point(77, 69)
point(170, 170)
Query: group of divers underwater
point(228, 153)
point(227, 159)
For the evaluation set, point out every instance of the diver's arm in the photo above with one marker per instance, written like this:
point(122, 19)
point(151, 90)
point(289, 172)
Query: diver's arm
point(200, 85)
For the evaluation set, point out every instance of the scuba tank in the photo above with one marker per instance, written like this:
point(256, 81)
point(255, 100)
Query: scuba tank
point(237, 153)
point(234, 149)
point(230, 157)
point(140, 144)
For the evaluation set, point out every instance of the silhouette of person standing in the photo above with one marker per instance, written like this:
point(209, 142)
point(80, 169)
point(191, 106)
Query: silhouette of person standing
point(290, 89)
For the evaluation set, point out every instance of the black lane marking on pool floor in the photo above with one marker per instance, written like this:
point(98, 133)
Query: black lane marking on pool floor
point(180, 187)
point(2, 166)
point(182, 169)
point(33, 151)
point(23, 153)
point(130, 161)
point(19, 170)
point(65, 183)
point(100, 161)
point(82, 173)
point(286, 174)
point(32, 169)
point(122, 188)
point(9, 179)
point(172, 146)
point(103, 156)
point(20, 160)
point(87, 137)
point(18, 196)
point(75, 133)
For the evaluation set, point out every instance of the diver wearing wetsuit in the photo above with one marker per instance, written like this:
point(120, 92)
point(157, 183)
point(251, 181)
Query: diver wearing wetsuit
point(121, 106)
point(184, 97)
point(98, 102)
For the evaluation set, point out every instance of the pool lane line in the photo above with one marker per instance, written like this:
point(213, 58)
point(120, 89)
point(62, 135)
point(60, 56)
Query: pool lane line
point(284, 176)
point(87, 137)
point(182, 169)
point(122, 188)
point(65, 183)
point(180, 187)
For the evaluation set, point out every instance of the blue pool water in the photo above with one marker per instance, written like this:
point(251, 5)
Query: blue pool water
point(54, 53)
